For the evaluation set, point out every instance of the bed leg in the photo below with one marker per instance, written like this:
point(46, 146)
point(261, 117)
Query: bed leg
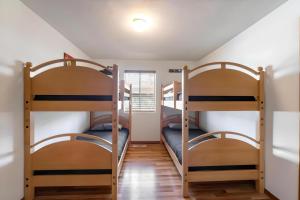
point(114, 192)
point(29, 193)
point(185, 188)
point(32, 193)
point(260, 186)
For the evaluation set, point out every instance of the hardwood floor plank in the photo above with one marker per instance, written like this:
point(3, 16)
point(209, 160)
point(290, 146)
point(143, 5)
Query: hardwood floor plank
point(148, 174)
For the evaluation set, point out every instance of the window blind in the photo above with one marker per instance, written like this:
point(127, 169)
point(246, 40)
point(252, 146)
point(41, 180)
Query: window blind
point(143, 90)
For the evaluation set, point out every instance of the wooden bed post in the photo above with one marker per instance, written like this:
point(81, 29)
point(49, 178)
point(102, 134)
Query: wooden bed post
point(29, 189)
point(197, 119)
point(260, 185)
point(130, 113)
point(91, 119)
point(185, 132)
point(115, 133)
point(175, 89)
point(161, 111)
point(122, 91)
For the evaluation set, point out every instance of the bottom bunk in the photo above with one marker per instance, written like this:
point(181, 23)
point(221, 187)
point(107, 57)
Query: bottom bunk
point(213, 156)
point(106, 134)
point(80, 160)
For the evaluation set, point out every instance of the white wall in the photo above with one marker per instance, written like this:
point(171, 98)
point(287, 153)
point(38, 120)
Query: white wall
point(273, 43)
point(146, 126)
point(25, 37)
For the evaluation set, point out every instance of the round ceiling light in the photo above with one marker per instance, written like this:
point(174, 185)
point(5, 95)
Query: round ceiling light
point(140, 24)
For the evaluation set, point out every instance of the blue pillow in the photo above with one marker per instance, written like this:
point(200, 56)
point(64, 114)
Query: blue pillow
point(108, 126)
point(175, 125)
point(98, 127)
point(178, 126)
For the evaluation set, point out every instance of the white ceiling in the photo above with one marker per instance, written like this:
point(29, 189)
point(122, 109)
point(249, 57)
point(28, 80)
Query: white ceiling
point(181, 29)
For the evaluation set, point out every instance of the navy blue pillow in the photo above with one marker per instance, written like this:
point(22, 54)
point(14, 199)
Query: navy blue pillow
point(98, 127)
point(108, 126)
point(178, 126)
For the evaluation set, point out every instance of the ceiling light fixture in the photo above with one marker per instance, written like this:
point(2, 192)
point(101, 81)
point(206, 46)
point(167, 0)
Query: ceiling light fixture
point(140, 24)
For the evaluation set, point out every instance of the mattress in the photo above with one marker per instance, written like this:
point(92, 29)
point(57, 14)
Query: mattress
point(107, 135)
point(218, 98)
point(72, 98)
point(174, 139)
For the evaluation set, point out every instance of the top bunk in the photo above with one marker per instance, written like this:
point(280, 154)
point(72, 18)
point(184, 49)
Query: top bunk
point(71, 85)
point(171, 95)
point(124, 96)
point(217, 86)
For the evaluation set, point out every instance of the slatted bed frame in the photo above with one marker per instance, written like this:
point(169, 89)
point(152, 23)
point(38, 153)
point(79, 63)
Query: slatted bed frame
point(218, 86)
point(73, 85)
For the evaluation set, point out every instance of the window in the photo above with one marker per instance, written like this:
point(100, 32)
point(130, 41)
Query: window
point(143, 90)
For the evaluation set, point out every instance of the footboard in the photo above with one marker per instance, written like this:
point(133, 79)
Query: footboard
point(72, 162)
point(223, 156)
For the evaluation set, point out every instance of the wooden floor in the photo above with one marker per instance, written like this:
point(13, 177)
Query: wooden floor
point(148, 173)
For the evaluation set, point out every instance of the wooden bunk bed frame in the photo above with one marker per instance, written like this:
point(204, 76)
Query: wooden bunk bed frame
point(218, 80)
point(69, 86)
point(170, 94)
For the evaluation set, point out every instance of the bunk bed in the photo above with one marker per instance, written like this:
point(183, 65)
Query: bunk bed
point(92, 158)
point(221, 155)
point(171, 95)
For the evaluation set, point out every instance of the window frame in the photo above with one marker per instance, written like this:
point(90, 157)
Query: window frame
point(154, 92)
